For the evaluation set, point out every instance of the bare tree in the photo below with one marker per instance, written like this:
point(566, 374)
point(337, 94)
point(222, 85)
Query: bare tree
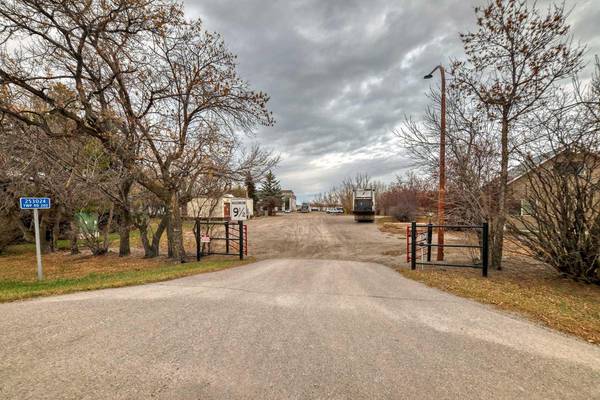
point(407, 197)
point(472, 157)
point(189, 130)
point(161, 95)
point(560, 222)
point(89, 48)
point(345, 191)
point(514, 58)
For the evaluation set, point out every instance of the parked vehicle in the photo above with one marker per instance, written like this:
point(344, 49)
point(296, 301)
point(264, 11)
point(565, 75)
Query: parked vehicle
point(335, 210)
point(305, 208)
point(363, 205)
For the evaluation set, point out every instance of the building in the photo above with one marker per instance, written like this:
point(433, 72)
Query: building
point(215, 207)
point(288, 201)
point(519, 180)
point(551, 167)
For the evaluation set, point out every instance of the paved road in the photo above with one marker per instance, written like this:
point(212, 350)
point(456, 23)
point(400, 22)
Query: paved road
point(285, 329)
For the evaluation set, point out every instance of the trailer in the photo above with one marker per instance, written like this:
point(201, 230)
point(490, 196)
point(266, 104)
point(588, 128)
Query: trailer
point(363, 205)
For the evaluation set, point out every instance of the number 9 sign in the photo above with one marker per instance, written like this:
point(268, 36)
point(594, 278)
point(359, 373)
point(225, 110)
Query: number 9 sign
point(238, 210)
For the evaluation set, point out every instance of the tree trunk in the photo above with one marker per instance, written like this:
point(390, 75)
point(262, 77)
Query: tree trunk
point(152, 247)
point(106, 231)
point(158, 234)
point(74, 235)
point(498, 237)
point(169, 228)
point(56, 228)
point(175, 230)
point(124, 231)
point(45, 235)
point(124, 218)
point(148, 251)
point(124, 247)
point(27, 233)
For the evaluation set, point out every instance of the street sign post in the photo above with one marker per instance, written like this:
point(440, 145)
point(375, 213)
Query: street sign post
point(35, 204)
point(238, 210)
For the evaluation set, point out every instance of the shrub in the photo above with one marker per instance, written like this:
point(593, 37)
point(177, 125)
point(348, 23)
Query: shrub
point(562, 225)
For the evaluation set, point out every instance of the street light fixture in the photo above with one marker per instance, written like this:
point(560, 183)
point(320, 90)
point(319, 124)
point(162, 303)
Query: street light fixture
point(442, 187)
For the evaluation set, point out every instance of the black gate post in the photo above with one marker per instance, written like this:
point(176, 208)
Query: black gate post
point(413, 245)
point(227, 237)
point(429, 238)
point(197, 236)
point(241, 236)
point(485, 249)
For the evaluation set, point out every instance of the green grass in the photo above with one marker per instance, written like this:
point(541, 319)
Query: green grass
point(17, 290)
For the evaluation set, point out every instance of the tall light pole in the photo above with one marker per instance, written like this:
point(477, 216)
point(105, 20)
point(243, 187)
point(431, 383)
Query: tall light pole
point(442, 187)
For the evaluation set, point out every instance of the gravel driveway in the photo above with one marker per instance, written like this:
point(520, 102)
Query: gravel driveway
point(318, 235)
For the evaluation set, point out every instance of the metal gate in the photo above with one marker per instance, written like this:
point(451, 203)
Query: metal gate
point(423, 240)
point(221, 238)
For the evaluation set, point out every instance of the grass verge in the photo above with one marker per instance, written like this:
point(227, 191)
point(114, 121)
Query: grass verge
point(11, 290)
point(391, 225)
point(559, 303)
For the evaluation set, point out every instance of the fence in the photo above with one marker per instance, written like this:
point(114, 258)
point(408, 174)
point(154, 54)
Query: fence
point(423, 240)
point(235, 238)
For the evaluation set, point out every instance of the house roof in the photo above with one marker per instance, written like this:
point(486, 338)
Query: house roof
point(521, 170)
point(537, 161)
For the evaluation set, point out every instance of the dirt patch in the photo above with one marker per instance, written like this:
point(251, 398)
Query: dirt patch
point(319, 235)
point(396, 228)
point(394, 253)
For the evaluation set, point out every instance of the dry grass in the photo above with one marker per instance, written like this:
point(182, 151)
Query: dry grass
point(529, 289)
point(390, 225)
point(523, 286)
point(18, 263)
point(66, 273)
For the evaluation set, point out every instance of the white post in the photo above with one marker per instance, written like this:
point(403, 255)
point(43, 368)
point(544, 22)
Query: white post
point(38, 250)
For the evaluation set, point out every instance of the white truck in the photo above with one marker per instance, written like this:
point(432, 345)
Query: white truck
point(305, 208)
point(363, 205)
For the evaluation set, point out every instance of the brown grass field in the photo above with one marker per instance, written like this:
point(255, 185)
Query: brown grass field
point(66, 273)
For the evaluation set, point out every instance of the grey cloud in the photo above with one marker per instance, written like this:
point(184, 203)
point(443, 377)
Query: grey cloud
point(341, 74)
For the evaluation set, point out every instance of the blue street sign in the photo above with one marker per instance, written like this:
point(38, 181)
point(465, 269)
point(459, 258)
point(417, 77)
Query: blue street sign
point(29, 203)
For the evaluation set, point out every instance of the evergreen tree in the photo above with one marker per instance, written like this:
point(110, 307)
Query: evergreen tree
point(270, 193)
point(251, 190)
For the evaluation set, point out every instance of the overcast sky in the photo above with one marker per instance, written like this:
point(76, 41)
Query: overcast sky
point(342, 74)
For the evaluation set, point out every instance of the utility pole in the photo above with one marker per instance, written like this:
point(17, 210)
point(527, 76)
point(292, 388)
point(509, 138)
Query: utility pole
point(442, 173)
